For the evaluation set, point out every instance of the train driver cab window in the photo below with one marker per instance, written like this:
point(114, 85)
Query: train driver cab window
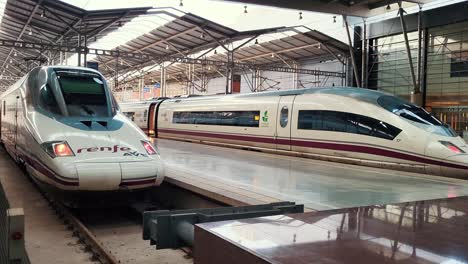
point(47, 100)
point(84, 93)
point(284, 116)
point(347, 123)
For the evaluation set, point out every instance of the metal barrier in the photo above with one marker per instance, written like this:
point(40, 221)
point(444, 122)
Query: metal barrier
point(12, 249)
point(174, 229)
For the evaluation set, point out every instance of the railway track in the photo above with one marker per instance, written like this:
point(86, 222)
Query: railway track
point(113, 235)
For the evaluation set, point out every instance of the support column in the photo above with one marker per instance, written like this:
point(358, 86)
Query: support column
point(85, 51)
point(229, 71)
point(416, 94)
point(79, 50)
point(295, 76)
point(351, 51)
point(364, 56)
point(116, 78)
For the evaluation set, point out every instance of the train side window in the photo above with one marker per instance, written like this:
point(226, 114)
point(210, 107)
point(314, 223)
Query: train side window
point(218, 118)
point(346, 122)
point(284, 116)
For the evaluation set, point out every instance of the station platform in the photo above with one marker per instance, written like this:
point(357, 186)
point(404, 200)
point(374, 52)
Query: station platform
point(419, 232)
point(242, 177)
point(47, 240)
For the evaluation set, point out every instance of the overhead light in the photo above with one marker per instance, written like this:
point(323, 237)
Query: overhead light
point(388, 7)
point(181, 3)
point(300, 15)
point(11, 61)
point(272, 55)
point(215, 52)
point(30, 32)
point(7, 66)
point(15, 54)
point(202, 35)
point(43, 13)
point(209, 68)
point(245, 10)
point(256, 41)
point(334, 19)
point(167, 46)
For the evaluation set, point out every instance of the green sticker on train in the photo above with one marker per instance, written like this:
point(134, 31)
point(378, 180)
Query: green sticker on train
point(264, 122)
point(265, 116)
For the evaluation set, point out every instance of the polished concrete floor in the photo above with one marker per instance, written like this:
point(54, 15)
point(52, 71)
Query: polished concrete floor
point(319, 185)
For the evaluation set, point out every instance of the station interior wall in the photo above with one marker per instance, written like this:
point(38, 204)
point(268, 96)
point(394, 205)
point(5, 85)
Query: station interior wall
point(446, 72)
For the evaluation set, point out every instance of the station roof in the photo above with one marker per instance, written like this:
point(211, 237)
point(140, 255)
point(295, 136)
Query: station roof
point(53, 22)
point(297, 45)
point(360, 8)
point(185, 35)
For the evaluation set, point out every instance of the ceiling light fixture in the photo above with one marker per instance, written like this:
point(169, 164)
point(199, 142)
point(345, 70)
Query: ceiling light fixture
point(202, 35)
point(300, 15)
point(30, 32)
point(245, 10)
point(272, 55)
point(43, 13)
point(388, 7)
point(181, 3)
point(215, 52)
point(256, 41)
point(334, 19)
point(15, 54)
point(11, 61)
point(167, 46)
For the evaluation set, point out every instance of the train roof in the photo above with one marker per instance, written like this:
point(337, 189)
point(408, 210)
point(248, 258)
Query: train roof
point(361, 94)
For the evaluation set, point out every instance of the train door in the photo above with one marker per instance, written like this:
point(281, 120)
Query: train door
point(283, 124)
point(17, 101)
point(151, 119)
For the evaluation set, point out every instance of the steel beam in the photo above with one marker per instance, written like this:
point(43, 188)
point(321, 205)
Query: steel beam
point(174, 229)
point(23, 29)
point(408, 49)
point(351, 52)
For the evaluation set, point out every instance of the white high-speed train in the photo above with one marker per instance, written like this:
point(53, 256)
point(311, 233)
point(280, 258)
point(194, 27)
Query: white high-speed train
point(351, 125)
point(65, 126)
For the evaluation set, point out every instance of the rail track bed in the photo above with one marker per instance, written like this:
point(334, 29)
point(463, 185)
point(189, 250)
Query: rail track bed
point(119, 231)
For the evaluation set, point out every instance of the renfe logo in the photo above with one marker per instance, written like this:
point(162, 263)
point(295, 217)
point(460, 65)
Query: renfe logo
point(127, 151)
point(111, 149)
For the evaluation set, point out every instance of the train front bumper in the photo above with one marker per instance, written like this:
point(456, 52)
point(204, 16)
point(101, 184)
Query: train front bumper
point(112, 176)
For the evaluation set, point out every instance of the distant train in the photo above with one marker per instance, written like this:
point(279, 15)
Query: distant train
point(351, 125)
point(64, 125)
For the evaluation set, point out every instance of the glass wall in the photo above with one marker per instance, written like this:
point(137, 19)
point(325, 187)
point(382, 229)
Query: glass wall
point(389, 68)
point(446, 71)
point(447, 74)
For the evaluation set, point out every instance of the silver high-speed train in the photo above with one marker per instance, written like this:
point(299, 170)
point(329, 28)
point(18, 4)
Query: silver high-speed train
point(350, 125)
point(64, 126)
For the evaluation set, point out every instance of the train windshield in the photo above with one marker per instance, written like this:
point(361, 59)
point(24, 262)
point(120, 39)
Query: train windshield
point(417, 115)
point(84, 93)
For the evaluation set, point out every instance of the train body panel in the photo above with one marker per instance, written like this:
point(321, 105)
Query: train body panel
point(89, 147)
point(350, 125)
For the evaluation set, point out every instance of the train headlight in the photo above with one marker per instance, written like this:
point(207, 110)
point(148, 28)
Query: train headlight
point(452, 147)
point(149, 148)
point(58, 149)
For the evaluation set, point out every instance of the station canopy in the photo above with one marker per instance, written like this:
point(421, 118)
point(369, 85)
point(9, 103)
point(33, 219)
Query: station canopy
point(284, 48)
point(184, 36)
point(52, 22)
point(137, 41)
point(359, 8)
